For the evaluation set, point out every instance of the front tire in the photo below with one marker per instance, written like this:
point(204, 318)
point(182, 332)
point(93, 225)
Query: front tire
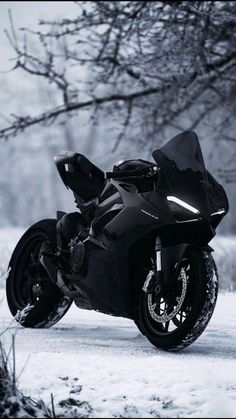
point(32, 298)
point(191, 312)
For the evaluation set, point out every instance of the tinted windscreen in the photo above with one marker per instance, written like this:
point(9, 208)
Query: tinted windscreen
point(183, 172)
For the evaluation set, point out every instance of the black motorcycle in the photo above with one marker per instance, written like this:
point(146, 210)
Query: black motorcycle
point(137, 247)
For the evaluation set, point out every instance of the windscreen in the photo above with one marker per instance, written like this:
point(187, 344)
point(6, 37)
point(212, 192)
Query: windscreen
point(183, 172)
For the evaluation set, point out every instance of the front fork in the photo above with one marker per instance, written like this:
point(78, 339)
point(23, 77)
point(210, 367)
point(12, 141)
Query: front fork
point(167, 260)
point(155, 280)
point(162, 281)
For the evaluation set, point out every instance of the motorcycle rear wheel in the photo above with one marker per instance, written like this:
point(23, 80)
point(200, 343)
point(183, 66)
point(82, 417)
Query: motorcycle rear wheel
point(176, 327)
point(33, 299)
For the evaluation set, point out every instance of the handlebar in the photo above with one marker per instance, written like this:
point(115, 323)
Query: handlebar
point(146, 171)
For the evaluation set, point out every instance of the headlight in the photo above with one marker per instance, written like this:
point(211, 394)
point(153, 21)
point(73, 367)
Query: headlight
point(219, 212)
point(183, 204)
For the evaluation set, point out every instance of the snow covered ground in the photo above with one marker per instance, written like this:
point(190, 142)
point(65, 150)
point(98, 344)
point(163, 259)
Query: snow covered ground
point(99, 366)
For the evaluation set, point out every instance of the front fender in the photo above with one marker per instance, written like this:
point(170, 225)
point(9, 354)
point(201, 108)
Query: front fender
point(171, 257)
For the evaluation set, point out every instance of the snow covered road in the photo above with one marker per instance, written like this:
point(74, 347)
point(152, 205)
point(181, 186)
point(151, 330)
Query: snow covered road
point(99, 366)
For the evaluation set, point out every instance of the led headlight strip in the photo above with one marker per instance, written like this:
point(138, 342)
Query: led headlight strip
point(219, 212)
point(183, 204)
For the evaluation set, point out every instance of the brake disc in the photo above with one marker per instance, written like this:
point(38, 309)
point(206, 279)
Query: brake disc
point(165, 316)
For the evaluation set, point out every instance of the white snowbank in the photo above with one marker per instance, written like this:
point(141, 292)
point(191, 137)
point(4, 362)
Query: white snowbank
point(8, 239)
point(225, 255)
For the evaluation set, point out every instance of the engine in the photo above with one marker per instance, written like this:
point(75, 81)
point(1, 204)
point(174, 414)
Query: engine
point(77, 258)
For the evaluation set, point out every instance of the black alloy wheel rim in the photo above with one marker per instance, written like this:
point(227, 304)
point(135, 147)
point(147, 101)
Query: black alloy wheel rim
point(31, 280)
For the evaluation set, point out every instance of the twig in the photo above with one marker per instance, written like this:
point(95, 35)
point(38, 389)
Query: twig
point(14, 365)
point(53, 407)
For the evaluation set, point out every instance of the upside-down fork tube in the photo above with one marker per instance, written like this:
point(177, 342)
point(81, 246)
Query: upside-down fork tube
point(168, 260)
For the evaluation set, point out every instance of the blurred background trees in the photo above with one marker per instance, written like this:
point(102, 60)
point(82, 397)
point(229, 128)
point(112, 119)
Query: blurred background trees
point(117, 80)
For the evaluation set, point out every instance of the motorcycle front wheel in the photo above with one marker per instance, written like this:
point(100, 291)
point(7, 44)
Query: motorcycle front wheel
point(32, 298)
point(175, 322)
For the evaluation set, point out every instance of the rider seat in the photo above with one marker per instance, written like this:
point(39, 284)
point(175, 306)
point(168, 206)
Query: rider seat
point(80, 175)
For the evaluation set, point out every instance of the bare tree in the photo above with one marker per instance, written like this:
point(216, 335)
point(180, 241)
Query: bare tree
point(147, 63)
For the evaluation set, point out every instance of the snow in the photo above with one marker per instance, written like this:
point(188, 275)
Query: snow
point(225, 257)
point(101, 366)
point(8, 239)
point(105, 362)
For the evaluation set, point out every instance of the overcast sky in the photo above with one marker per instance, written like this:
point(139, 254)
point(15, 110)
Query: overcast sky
point(27, 14)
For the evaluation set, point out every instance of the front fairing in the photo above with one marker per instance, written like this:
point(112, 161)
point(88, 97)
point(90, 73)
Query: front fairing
point(183, 175)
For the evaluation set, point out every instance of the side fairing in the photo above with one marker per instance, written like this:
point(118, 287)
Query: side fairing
point(107, 280)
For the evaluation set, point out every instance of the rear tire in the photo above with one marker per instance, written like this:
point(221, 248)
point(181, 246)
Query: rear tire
point(32, 298)
point(201, 295)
